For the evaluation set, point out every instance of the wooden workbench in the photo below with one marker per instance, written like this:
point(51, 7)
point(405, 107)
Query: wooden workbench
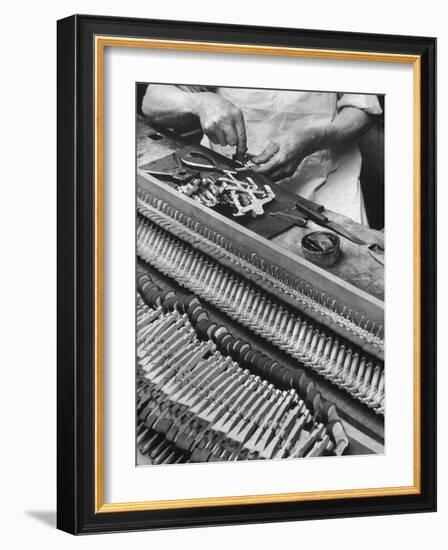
point(364, 427)
point(355, 266)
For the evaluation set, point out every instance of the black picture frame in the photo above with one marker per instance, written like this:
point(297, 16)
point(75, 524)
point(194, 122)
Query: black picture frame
point(76, 512)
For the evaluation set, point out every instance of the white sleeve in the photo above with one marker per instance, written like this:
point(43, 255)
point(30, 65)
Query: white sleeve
point(366, 102)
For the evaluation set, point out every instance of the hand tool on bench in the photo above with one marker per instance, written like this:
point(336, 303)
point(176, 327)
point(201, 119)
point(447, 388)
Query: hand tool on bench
point(301, 222)
point(193, 159)
point(176, 175)
point(317, 216)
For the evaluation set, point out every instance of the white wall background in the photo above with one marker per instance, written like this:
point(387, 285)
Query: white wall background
point(27, 291)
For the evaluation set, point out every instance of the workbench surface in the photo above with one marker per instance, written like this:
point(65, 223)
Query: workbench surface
point(355, 265)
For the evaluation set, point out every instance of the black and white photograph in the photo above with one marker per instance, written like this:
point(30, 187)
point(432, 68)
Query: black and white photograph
point(259, 273)
point(246, 258)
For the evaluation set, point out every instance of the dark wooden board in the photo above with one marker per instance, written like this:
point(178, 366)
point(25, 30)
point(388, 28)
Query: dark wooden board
point(266, 226)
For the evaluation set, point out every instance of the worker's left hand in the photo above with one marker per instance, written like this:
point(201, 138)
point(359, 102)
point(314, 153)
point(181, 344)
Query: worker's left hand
point(283, 155)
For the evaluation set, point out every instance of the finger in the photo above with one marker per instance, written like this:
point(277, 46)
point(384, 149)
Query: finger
point(230, 135)
point(266, 154)
point(216, 135)
point(241, 138)
point(282, 173)
point(212, 137)
point(274, 163)
point(277, 175)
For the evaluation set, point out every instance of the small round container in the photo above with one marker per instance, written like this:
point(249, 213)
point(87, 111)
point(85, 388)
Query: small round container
point(322, 248)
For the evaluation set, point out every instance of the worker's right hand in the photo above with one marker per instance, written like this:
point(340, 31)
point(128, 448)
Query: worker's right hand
point(221, 121)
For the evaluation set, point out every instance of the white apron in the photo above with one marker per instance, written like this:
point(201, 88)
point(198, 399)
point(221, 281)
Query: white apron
point(327, 177)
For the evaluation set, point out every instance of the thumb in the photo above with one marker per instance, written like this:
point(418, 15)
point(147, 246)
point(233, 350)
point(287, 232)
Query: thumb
point(266, 154)
point(241, 139)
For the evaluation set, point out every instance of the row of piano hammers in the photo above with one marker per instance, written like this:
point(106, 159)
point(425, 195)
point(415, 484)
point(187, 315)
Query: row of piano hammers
point(345, 365)
point(205, 395)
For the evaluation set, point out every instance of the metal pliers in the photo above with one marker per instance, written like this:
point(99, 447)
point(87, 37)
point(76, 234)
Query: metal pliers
point(191, 161)
point(177, 176)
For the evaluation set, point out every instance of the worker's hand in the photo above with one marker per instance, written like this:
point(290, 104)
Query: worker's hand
point(283, 155)
point(221, 120)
